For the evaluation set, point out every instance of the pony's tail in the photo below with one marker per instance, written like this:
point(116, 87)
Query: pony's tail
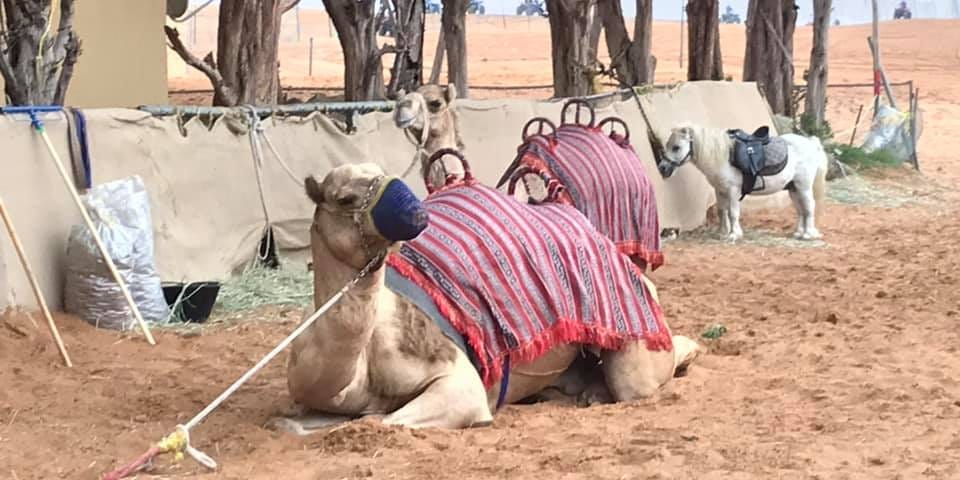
point(820, 181)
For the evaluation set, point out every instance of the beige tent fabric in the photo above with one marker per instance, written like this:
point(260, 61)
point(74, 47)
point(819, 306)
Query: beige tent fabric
point(205, 202)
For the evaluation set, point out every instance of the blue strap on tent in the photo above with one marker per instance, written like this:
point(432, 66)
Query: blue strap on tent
point(81, 133)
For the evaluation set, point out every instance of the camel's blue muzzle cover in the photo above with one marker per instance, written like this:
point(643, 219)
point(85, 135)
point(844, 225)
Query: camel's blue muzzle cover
point(396, 212)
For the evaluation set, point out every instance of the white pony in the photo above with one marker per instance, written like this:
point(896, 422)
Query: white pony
point(711, 151)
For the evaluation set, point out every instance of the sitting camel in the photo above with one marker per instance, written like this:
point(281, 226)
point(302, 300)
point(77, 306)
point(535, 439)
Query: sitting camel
point(383, 354)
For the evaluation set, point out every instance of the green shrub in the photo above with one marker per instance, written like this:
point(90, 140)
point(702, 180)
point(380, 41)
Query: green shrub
point(808, 127)
point(857, 157)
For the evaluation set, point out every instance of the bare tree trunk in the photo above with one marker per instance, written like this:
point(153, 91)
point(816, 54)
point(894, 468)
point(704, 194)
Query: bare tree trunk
point(453, 20)
point(37, 59)
point(570, 49)
point(356, 25)
point(407, 71)
point(705, 61)
point(769, 53)
point(246, 70)
point(596, 28)
point(816, 101)
point(643, 41)
point(629, 60)
point(438, 59)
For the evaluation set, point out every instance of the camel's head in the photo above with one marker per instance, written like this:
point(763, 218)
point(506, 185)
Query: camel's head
point(361, 213)
point(676, 152)
point(425, 106)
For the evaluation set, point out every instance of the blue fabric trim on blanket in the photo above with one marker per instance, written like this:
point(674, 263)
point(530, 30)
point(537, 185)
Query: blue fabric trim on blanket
point(415, 295)
point(84, 146)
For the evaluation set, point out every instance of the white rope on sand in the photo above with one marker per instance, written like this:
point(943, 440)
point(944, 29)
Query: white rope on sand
point(179, 441)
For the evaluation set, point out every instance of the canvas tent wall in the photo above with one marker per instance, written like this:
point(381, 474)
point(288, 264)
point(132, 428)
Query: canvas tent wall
point(206, 206)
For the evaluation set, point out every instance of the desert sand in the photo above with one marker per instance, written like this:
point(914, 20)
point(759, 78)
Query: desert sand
point(840, 360)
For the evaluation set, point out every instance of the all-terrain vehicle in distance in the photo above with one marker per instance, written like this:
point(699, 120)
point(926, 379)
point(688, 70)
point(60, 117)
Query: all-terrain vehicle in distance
point(729, 16)
point(476, 7)
point(531, 7)
point(902, 12)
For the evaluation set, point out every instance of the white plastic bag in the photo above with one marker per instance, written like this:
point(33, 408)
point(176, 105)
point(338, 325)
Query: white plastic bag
point(891, 132)
point(120, 211)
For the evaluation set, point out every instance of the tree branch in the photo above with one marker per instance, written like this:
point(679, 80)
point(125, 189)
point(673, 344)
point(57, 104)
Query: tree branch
point(207, 67)
point(72, 49)
point(286, 5)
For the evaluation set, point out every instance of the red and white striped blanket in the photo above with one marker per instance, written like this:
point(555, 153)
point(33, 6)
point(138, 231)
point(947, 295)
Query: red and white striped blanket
point(605, 181)
point(518, 279)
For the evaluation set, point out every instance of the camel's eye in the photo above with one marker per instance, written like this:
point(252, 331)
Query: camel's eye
point(676, 148)
point(347, 200)
point(434, 105)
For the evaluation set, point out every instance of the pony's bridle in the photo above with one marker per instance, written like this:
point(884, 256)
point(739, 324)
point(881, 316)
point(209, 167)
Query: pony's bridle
point(683, 160)
point(358, 214)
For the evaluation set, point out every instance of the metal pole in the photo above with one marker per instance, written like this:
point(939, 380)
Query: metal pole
point(293, 109)
point(876, 57)
point(683, 11)
point(310, 63)
point(297, 13)
point(193, 31)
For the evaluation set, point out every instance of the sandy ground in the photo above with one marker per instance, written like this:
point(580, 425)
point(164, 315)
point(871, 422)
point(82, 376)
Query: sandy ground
point(840, 361)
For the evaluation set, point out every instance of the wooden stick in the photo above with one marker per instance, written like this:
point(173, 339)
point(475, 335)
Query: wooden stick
point(883, 78)
point(438, 58)
point(12, 232)
point(96, 236)
point(914, 109)
point(855, 125)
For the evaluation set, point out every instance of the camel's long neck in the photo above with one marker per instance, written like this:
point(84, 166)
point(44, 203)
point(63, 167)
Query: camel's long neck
point(443, 134)
point(349, 323)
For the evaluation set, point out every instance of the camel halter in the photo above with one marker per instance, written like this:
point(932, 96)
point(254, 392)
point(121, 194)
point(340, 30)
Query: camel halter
point(393, 209)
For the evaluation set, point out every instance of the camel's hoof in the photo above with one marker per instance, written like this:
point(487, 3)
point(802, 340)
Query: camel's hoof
point(815, 235)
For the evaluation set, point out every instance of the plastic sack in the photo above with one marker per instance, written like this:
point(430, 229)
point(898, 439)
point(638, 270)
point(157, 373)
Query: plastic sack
point(891, 132)
point(120, 211)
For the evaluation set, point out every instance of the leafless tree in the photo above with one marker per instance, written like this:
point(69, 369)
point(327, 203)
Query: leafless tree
point(246, 69)
point(705, 61)
point(573, 66)
point(407, 71)
point(769, 52)
point(816, 76)
point(37, 57)
point(454, 27)
point(630, 60)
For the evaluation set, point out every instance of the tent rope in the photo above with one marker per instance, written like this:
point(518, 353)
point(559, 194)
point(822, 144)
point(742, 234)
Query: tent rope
point(178, 442)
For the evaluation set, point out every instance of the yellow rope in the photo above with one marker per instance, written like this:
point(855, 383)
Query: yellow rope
point(46, 32)
point(176, 442)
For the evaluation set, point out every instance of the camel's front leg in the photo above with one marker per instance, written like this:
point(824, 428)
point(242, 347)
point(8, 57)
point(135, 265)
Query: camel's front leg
point(456, 400)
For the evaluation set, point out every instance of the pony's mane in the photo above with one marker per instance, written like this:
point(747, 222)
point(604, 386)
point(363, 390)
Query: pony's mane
point(710, 145)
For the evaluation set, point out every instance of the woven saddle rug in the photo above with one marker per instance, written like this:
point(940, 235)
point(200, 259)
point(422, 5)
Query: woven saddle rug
point(605, 181)
point(516, 280)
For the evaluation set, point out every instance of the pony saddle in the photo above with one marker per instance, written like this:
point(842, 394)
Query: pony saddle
point(757, 155)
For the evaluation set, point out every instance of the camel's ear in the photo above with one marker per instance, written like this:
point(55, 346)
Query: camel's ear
point(314, 189)
point(451, 93)
point(400, 94)
point(687, 132)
